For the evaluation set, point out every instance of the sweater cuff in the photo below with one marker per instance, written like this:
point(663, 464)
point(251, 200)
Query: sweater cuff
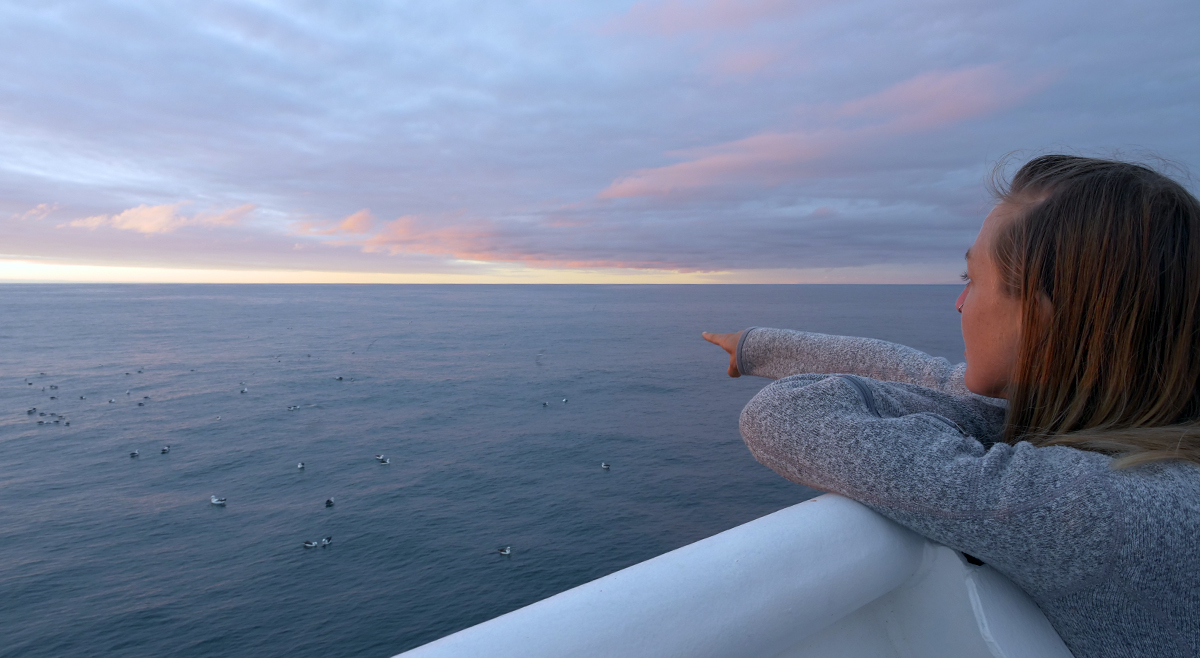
point(742, 366)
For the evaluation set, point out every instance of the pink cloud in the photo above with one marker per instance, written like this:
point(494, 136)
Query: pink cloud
point(358, 223)
point(543, 244)
point(162, 218)
point(671, 17)
point(926, 102)
point(38, 212)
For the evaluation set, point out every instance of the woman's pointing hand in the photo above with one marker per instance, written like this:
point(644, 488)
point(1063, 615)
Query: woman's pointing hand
point(727, 342)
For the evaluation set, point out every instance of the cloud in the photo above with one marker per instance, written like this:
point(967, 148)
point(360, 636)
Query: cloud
point(162, 219)
point(358, 223)
point(928, 101)
point(539, 244)
point(38, 212)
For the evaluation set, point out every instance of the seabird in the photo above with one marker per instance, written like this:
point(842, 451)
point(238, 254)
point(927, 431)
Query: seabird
point(141, 404)
point(53, 398)
point(339, 379)
point(245, 389)
point(545, 404)
point(166, 449)
point(300, 466)
point(326, 541)
point(564, 399)
point(217, 501)
point(218, 418)
point(379, 457)
point(329, 502)
point(112, 401)
point(385, 461)
point(82, 398)
point(135, 453)
point(604, 465)
point(505, 550)
point(145, 397)
point(310, 544)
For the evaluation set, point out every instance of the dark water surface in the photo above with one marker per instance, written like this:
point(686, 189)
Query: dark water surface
point(108, 555)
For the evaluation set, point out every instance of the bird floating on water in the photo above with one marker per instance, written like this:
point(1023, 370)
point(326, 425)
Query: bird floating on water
point(310, 544)
point(166, 449)
point(329, 502)
point(506, 550)
point(564, 399)
point(112, 401)
point(545, 404)
point(379, 457)
point(217, 501)
point(300, 466)
point(604, 465)
point(141, 404)
point(326, 541)
point(245, 389)
point(134, 454)
point(385, 461)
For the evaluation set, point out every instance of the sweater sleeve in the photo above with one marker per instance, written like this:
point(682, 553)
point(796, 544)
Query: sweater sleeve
point(776, 353)
point(1042, 516)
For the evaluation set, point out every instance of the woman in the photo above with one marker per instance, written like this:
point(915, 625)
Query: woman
point(1065, 452)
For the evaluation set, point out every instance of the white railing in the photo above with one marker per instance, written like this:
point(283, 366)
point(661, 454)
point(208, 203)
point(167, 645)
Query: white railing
point(827, 577)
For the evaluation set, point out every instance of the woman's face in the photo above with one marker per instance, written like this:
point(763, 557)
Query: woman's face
point(991, 320)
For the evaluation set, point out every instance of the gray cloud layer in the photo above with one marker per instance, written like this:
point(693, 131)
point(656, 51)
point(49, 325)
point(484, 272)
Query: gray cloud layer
point(691, 136)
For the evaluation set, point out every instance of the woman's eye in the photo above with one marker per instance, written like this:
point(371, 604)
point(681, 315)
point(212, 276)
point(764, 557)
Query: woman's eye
point(965, 277)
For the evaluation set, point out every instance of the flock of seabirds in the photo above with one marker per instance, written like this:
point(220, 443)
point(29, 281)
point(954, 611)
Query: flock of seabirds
point(57, 419)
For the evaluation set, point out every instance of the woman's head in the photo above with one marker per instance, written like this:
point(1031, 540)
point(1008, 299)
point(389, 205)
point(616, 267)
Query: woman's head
point(1100, 261)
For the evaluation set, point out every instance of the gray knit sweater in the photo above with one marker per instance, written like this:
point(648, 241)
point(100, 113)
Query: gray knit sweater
point(1111, 556)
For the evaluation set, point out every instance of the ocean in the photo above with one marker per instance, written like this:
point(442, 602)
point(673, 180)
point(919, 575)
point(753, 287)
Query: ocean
point(494, 404)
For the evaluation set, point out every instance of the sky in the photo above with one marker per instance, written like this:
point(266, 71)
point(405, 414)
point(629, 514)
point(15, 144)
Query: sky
point(657, 141)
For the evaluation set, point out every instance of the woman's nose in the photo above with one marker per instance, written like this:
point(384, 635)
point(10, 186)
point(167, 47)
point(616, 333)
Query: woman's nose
point(962, 298)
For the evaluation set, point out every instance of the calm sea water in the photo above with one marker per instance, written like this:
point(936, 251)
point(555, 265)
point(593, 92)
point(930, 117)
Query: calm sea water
point(108, 555)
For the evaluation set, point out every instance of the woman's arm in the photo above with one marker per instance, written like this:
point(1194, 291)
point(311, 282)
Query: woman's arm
point(1043, 516)
point(777, 353)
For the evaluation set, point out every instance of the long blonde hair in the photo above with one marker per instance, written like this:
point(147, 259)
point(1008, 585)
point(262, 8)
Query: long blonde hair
point(1105, 258)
